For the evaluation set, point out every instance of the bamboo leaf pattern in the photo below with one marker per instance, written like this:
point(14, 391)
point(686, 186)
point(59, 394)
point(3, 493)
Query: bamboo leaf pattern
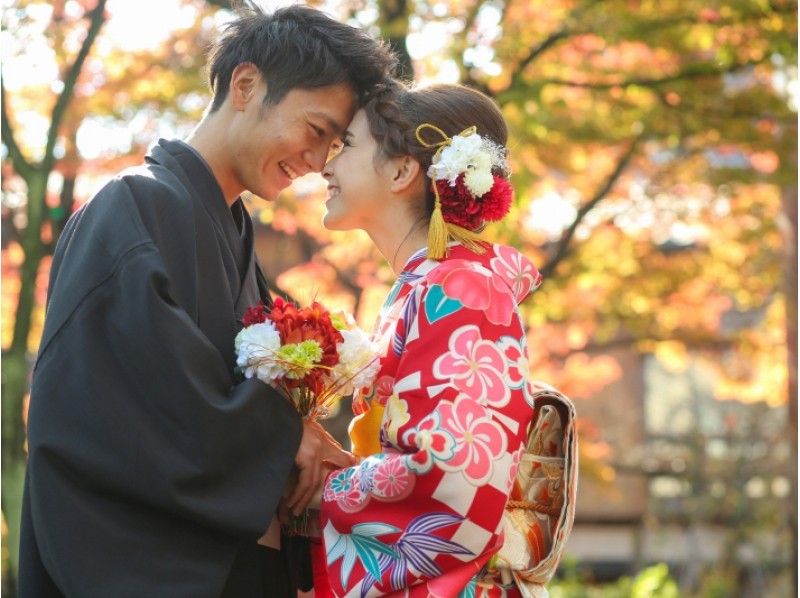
point(374, 529)
point(405, 277)
point(362, 545)
point(409, 314)
point(431, 522)
point(414, 552)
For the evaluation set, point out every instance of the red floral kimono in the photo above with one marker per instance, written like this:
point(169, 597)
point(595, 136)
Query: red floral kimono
point(422, 517)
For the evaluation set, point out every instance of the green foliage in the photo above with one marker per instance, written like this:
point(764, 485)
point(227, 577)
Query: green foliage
point(653, 582)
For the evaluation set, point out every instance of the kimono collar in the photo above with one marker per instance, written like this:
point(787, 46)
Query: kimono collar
point(200, 179)
point(415, 260)
point(420, 257)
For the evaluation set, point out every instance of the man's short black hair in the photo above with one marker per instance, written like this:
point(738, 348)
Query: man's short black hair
point(297, 47)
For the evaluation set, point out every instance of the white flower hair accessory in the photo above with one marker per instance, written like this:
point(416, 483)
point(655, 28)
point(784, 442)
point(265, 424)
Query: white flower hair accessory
point(471, 155)
point(467, 192)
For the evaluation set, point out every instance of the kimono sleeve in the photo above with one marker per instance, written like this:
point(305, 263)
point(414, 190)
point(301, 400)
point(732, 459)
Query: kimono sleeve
point(425, 513)
point(131, 402)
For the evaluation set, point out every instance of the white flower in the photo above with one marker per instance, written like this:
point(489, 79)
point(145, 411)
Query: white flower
point(496, 153)
point(478, 177)
point(478, 182)
point(358, 361)
point(474, 157)
point(256, 346)
point(455, 158)
point(466, 147)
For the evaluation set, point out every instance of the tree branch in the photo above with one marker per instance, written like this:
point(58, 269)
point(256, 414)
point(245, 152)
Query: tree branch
point(692, 18)
point(97, 18)
point(697, 342)
point(568, 29)
point(693, 72)
point(562, 248)
point(21, 165)
point(393, 21)
point(460, 45)
point(535, 52)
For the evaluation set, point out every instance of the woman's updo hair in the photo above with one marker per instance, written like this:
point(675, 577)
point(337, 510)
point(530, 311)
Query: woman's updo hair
point(396, 110)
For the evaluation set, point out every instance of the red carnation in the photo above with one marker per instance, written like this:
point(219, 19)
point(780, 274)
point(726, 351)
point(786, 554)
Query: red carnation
point(497, 201)
point(255, 314)
point(307, 323)
point(459, 207)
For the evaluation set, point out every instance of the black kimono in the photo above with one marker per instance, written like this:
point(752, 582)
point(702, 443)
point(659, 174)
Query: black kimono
point(150, 473)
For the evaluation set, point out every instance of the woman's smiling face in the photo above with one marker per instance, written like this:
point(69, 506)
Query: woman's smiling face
point(357, 180)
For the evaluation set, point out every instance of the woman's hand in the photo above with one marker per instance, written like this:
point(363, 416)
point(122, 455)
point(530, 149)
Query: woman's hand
point(332, 453)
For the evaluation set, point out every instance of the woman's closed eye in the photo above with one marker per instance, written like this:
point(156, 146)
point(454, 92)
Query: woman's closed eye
point(338, 146)
point(335, 149)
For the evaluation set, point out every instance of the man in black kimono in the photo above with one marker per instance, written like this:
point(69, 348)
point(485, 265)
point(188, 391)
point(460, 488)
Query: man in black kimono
point(151, 473)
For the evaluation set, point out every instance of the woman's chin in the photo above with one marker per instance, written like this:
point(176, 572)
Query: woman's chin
point(332, 222)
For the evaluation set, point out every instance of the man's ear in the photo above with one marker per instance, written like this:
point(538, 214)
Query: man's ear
point(244, 82)
point(404, 171)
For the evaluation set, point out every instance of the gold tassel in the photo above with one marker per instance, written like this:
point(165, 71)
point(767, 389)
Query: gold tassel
point(469, 239)
point(437, 232)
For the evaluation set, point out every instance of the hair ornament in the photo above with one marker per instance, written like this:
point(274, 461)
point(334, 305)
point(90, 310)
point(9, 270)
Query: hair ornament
point(466, 192)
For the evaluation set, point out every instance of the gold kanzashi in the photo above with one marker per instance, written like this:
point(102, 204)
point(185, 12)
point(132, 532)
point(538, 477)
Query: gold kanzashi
point(439, 231)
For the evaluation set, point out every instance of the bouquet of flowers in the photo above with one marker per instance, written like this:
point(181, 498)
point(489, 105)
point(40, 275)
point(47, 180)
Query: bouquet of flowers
point(312, 356)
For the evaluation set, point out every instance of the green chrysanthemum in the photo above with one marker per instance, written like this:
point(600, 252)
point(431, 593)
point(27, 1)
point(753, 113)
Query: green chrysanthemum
point(299, 359)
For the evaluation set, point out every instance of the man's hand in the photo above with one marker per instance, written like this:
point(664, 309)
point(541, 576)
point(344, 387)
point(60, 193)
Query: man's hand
point(309, 461)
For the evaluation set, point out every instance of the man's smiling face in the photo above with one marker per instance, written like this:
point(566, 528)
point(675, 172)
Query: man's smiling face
point(273, 144)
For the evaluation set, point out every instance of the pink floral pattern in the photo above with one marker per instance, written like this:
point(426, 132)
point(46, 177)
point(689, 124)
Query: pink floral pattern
point(476, 287)
point(423, 516)
point(433, 443)
point(343, 487)
point(516, 459)
point(479, 440)
point(384, 477)
point(518, 273)
point(392, 480)
point(527, 393)
point(474, 366)
point(384, 387)
point(516, 355)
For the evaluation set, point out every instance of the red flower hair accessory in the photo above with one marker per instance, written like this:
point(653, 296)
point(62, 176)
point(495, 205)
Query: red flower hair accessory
point(462, 208)
point(467, 192)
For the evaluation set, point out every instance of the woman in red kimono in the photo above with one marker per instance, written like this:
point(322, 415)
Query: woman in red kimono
point(441, 432)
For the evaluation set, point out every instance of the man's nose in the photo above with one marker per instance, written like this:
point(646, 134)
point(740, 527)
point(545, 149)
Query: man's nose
point(316, 158)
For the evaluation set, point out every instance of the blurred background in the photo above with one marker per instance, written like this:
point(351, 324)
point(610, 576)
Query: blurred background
point(654, 146)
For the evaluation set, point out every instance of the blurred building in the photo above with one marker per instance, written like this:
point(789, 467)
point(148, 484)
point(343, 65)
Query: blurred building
point(699, 483)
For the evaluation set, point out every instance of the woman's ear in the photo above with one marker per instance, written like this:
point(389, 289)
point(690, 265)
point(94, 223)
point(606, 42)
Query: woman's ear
point(405, 171)
point(244, 81)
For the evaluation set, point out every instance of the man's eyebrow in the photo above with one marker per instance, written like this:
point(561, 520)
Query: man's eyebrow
point(335, 127)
